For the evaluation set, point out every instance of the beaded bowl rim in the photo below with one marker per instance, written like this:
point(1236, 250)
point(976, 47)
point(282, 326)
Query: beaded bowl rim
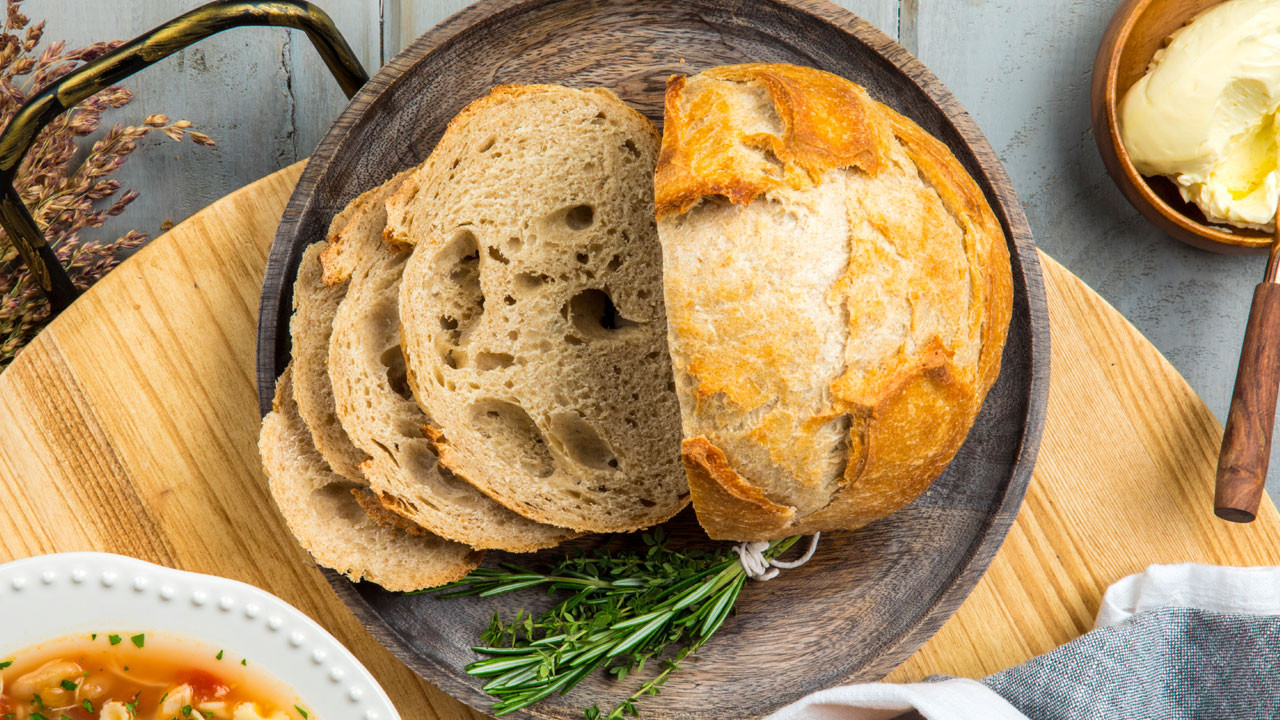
point(62, 594)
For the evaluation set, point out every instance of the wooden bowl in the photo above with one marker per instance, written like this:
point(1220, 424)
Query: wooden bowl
point(868, 599)
point(1137, 30)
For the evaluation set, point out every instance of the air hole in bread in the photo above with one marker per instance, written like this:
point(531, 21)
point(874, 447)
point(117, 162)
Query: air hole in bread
point(614, 263)
point(528, 282)
point(593, 314)
point(582, 258)
point(514, 244)
point(487, 361)
point(646, 502)
point(513, 335)
point(631, 148)
point(643, 293)
point(457, 287)
point(572, 340)
point(579, 217)
point(454, 358)
point(487, 144)
point(497, 255)
point(393, 360)
point(515, 436)
point(579, 441)
point(509, 300)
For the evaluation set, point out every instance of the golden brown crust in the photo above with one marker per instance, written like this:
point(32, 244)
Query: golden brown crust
point(825, 124)
point(910, 414)
point(729, 508)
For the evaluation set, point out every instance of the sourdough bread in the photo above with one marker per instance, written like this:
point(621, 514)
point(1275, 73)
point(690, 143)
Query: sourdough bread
point(320, 510)
point(532, 312)
point(378, 412)
point(838, 293)
point(317, 292)
point(314, 305)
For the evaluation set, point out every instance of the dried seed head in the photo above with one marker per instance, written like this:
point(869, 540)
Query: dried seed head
point(60, 190)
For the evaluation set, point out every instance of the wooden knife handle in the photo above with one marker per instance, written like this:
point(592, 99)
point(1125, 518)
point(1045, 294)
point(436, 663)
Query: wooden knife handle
point(1246, 444)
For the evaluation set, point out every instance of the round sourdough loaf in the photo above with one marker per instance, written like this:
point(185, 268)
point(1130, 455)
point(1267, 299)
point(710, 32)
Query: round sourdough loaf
point(837, 291)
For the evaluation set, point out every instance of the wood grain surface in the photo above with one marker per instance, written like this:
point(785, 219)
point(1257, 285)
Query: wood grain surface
point(132, 421)
point(931, 554)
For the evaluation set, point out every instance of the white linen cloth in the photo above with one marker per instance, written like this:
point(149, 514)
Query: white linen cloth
point(1225, 590)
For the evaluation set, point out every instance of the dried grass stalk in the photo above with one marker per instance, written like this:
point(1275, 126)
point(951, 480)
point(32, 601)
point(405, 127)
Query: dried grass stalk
point(64, 196)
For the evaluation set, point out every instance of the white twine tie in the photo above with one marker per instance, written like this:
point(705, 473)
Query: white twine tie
point(760, 568)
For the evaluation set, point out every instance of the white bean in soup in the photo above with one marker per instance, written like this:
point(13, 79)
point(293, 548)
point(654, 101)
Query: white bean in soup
point(139, 676)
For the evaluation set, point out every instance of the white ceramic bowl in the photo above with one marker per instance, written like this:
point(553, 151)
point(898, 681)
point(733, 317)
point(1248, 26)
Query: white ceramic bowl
point(50, 596)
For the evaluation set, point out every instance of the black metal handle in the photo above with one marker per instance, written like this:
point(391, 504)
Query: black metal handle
point(94, 76)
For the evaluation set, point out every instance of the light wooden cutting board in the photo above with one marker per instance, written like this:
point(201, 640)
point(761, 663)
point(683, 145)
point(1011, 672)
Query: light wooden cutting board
point(130, 426)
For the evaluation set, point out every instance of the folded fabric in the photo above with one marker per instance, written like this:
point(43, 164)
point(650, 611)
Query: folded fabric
point(1178, 641)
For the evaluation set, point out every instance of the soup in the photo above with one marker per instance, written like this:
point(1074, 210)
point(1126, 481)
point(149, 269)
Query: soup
point(139, 676)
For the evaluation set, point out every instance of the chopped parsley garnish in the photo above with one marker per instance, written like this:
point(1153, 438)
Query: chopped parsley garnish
point(37, 701)
point(208, 714)
point(68, 685)
point(244, 661)
point(302, 712)
point(38, 716)
point(132, 705)
point(186, 711)
point(139, 640)
point(93, 636)
point(113, 639)
point(162, 698)
point(218, 656)
point(5, 664)
point(87, 705)
point(65, 717)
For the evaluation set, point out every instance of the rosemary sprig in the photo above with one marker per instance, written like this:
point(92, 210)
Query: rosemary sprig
point(621, 610)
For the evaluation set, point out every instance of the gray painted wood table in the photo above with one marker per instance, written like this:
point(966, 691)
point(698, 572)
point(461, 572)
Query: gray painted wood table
point(1021, 67)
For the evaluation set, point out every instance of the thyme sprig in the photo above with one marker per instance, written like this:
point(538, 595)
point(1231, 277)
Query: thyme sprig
point(621, 611)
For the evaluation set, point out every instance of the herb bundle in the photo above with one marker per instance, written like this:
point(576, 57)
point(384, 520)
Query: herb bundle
point(622, 610)
point(65, 192)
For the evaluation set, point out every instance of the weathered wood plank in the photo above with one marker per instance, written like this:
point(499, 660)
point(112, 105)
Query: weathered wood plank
point(233, 86)
point(317, 99)
point(405, 20)
point(1023, 71)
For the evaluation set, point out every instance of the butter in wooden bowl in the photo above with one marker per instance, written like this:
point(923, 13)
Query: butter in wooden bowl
point(1204, 113)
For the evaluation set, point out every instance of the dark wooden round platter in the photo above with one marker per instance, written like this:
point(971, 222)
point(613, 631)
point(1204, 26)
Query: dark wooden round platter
point(869, 599)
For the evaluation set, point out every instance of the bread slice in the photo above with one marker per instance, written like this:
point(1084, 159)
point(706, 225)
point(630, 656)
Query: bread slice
point(379, 414)
point(533, 322)
point(314, 304)
point(838, 294)
point(317, 292)
point(318, 506)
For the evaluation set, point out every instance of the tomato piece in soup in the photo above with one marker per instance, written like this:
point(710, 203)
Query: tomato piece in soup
point(204, 685)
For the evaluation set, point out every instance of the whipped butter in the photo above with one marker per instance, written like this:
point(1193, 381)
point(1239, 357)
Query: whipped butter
point(1205, 113)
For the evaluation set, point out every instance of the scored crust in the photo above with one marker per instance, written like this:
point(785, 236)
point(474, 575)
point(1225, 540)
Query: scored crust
point(826, 394)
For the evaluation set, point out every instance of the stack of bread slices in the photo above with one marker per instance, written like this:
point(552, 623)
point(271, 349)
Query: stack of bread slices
point(514, 344)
